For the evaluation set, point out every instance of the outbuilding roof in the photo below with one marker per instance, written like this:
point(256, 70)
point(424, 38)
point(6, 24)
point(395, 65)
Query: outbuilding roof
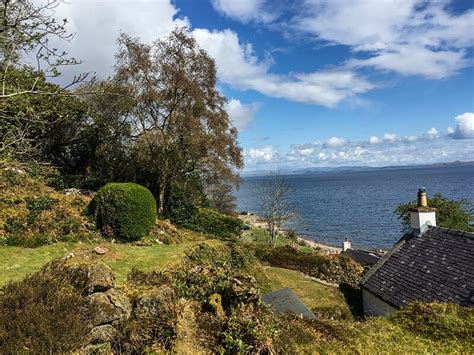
point(436, 266)
point(363, 257)
point(285, 301)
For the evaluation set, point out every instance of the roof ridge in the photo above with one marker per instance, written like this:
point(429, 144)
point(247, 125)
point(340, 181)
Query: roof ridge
point(456, 231)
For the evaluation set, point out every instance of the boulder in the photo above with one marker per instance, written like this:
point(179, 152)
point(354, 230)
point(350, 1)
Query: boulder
point(100, 250)
point(155, 303)
point(102, 334)
point(91, 277)
point(244, 288)
point(111, 307)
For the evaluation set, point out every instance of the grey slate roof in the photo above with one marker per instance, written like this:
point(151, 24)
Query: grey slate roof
point(285, 301)
point(363, 257)
point(436, 266)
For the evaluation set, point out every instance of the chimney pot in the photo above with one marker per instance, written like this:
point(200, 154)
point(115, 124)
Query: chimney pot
point(346, 244)
point(422, 216)
point(422, 200)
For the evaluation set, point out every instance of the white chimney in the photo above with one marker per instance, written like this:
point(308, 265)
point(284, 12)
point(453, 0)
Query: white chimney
point(346, 244)
point(422, 216)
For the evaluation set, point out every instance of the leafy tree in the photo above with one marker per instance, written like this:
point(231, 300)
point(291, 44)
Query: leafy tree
point(27, 29)
point(37, 127)
point(221, 197)
point(30, 107)
point(178, 121)
point(454, 214)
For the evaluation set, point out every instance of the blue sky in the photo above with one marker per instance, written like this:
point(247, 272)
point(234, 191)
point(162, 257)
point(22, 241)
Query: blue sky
point(318, 83)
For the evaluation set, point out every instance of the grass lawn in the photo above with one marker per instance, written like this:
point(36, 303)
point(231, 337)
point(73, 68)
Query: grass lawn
point(257, 235)
point(16, 262)
point(311, 293)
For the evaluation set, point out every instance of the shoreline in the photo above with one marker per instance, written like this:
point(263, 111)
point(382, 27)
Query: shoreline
point(254, 221)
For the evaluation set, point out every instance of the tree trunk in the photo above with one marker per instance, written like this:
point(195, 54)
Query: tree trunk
point(161, 201)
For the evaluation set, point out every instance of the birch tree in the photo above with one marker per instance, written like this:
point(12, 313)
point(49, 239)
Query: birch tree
point(276, 210)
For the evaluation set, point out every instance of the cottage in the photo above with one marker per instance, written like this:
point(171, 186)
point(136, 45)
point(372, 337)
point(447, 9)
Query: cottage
point(427, 264)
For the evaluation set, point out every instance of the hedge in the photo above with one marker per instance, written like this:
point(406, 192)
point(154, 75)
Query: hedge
point(211, 222)
point(126, 210)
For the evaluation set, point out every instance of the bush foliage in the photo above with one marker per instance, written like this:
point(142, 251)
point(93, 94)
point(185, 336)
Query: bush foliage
point(125, 210)
point(211, 222)
point(43, 314)
point(33, 214)
point(453, 214)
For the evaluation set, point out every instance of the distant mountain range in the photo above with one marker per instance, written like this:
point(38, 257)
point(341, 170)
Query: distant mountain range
point(322, 170)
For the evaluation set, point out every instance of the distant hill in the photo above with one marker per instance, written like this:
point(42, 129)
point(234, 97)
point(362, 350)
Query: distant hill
point(322, 170)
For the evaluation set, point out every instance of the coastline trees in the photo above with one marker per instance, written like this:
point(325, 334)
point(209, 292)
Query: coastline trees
point(159, 121)
point(179, 128)
point(453, 214)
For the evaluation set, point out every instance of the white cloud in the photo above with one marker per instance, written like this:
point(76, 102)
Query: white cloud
point(306, 151)
point(98, 23)
point(389, 137)
point(335, 142)
point(375, 140)
point(264, 154)
point(241, 115)
point(411, 37)
point(432, 133)
point(388, 149)
point(243, 10)
point(411, 138)
point(464, 126)
point(238, 66)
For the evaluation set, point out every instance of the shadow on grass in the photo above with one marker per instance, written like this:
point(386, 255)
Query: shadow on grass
point(353, 296)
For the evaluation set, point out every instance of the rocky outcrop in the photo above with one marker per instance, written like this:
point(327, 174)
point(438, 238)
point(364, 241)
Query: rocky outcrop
point(244, 289)
point(109, 306)
point(91, 278)
point(102, 334)
point(153, 304)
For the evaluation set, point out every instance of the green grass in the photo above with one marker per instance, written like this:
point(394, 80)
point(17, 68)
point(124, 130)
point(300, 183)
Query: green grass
point(257, 235)
point(313, 294)
point(16, 262)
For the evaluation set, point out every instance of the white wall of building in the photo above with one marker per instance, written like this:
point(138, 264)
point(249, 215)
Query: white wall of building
point(419, 219)
point(374, 306)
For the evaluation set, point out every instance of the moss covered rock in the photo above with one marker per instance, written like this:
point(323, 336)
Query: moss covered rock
point(124, 210)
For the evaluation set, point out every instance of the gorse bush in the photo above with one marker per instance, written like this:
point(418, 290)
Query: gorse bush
point(43, 314)
point(124, 210)
point(211, 222)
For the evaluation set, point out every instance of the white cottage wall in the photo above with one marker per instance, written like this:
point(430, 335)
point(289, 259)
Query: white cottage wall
point(374, 306)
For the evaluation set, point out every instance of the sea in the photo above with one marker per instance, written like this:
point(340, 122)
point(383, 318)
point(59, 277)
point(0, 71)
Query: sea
point(358, 205)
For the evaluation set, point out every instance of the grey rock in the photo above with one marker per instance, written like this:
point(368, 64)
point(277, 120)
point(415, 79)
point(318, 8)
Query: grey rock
point(102, 334)
point(154, 303)
point(92, 277)
point(110, 307)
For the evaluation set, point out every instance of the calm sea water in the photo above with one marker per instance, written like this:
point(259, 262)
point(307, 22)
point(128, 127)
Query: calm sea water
point(359, 205)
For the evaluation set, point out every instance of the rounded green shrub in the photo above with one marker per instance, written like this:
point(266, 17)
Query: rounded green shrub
point(126, 210)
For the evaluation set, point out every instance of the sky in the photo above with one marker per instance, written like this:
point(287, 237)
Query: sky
point(314, 83)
